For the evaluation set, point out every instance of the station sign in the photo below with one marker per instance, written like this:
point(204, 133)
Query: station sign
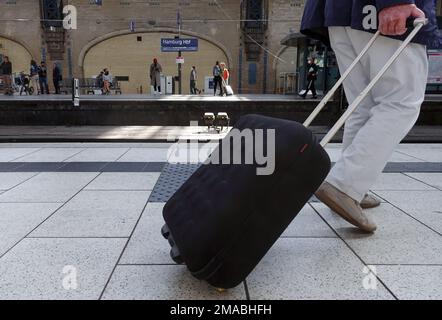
point(175, 45)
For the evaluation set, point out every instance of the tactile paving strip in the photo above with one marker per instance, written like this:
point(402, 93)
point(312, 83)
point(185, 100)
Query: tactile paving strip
point(171, 179)
point(174, 175)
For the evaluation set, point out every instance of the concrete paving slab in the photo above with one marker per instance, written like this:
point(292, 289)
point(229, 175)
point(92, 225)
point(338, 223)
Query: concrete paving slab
point(430, 154)
point(96, 214)
point(98, 155)
point(399, 181)
point(18, 219)
point(50, 155)
point(146, 245)
point(311, 269)
point(412, 282)
point(433, 179)
point(309, 224)
point(13, 153)
point(145, 155)
point(9, 180)
point(399, 238)
point(425, 206)
point(163, 283)
point(56, 269)
point(49, 187)
point(124, 181)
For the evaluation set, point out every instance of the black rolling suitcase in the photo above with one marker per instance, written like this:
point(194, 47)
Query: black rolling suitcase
point(226, 217)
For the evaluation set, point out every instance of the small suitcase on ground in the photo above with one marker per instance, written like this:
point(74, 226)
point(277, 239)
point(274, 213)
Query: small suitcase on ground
point(225, 218)
point(229, 90)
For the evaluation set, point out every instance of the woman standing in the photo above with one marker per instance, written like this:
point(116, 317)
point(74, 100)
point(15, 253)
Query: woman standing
point(33, 73)
point(6, 68)
point(155, 75)
point(225, 74)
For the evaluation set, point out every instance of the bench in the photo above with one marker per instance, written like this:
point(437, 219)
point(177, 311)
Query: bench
point(88, 86)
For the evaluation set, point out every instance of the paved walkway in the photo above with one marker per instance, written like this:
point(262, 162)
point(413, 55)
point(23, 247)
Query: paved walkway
point(150, 97)
point(82, 221)
point(419, 134)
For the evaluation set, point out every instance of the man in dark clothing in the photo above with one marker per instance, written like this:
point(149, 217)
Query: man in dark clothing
point(6, 68)
point(56, 78)
point(364, 15)
point(43, 78)
point(193, 79)
point(312, 75)
point(217, 80)
point(391, 109)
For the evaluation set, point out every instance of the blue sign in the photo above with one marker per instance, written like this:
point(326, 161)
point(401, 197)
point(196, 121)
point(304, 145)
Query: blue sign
point(175, 45)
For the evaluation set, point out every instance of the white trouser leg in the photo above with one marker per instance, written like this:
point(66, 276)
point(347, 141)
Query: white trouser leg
point(393, 109)
point(356, 82)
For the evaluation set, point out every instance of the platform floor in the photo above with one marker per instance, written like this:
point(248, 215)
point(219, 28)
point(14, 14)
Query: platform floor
point(419, 134)
point(82, 221)
point(149, 97)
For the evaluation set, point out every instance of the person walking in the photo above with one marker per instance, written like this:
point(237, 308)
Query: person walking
point(386, 116)
point(33, 74)
point(217, 80)
point(6, 68)
point(43, 78)
point(155, 76)
point(193, 81)
point(56, 77)
point(225, 78)
point(312, 76)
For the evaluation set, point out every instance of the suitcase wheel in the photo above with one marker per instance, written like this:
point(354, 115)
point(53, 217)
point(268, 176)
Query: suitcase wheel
point(165, 231)
point(175, 255)
point(171, 241)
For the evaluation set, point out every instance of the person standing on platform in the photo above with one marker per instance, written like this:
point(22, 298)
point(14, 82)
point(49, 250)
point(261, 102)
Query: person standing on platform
point(6, 68)
point(56, 78)
point(225, 78)
point(193, 81)
point(33, 73)
point(155, 76)
point(217, 80)
point(43, 78)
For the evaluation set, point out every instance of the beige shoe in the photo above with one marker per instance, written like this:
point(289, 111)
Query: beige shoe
point(345, 206)
point(370, 201)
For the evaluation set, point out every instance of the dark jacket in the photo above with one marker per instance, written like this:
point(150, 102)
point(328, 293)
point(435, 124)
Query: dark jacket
point(56, 74)
point(6, 68)
point(33, 70)
point(312, 71)
point(320, 14)
point(42, 72)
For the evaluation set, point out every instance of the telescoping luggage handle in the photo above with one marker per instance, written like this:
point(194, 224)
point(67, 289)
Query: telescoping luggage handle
point(417, 24)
